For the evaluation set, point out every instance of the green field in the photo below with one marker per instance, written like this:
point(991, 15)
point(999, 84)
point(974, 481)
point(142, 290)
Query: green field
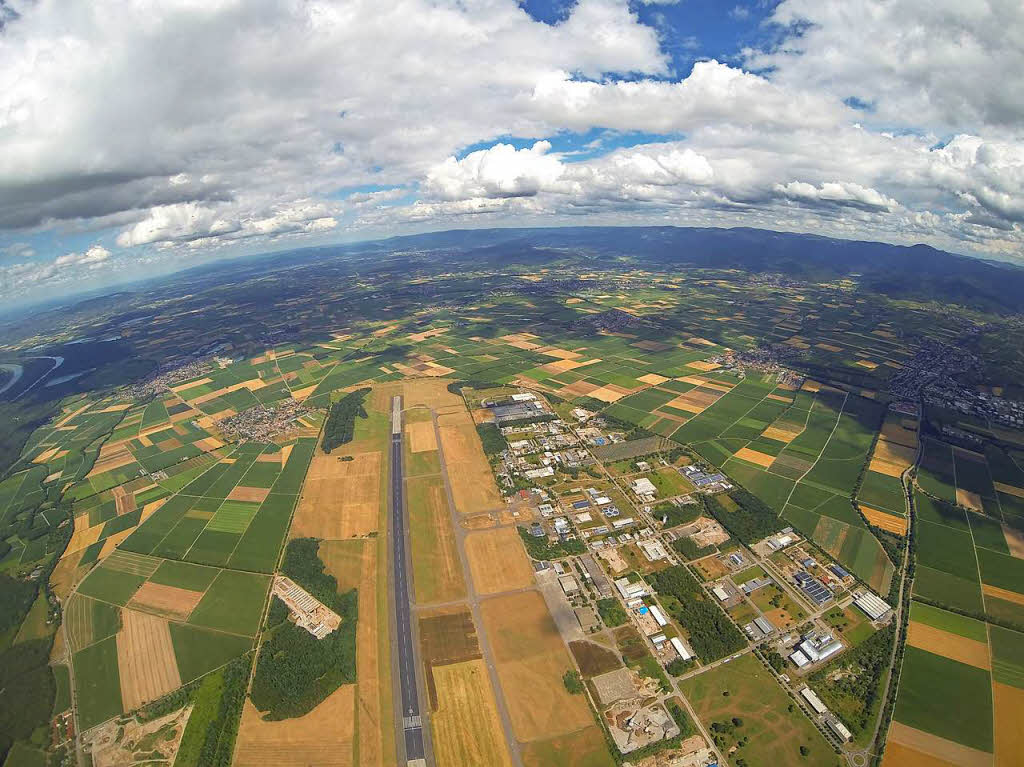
point(929, 683)
point(97, 683)
point(233, 603)
point(111, 586)
point(184, 575)
point(774, 735)
point(199, 650)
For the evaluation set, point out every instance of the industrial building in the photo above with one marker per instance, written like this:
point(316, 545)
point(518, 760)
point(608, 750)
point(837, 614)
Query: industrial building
point(838, 728)
point(811, 697)
point(631, 590)
point(680, 648)
point(815, 648)
point(813, 588)
point(873, 606)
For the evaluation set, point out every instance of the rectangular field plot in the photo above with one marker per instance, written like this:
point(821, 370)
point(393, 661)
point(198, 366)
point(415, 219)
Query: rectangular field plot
point(97, 683)
point(531, 660)
point(927, 685)
point(233, 603)
point(109, 585)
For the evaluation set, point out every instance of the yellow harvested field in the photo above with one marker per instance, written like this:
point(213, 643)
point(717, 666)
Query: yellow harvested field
point(111, 542)
point(1009, 735)
point(969, 499)
point(899, 433)
point(46, 455)
point(84, 538)
point(66, 574)
point(886, 468)
point(250, 494)
point(168, 601)
point(472, 481)
point(466, 728)
point(115, 457)
point(145, 658)
point(497, 560)
point(898, 755)
point(867, 364)
point(753, 456)
point(932, 747)
point(423, 336)
point(324, 736)
point(608, 394)
point(302, 394)
point(1014, 541)
point(703, 365)
point(421, 436)
point(949, 645)
point(811, 386)
point(778, 398)
point(829, 348)
point(531, 659)
point(191, 384)
point(340, 499)
point(1002, 487)
point(372, 691)
point(998, 593)
point(781, 434)
point(563, 354)
point(889, 522)
point(653, 379)
point(700, 341)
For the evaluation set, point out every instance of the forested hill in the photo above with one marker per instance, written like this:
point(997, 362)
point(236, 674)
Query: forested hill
point(919, 272)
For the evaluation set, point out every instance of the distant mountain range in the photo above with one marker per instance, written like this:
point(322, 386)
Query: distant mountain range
point(918, 272)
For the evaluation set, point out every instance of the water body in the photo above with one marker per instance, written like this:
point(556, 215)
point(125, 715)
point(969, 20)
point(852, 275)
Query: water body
point(17, 370)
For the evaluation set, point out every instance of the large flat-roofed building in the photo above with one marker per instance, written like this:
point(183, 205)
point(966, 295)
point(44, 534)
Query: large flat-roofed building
point(838, 728)
point(811, 697)
point(873, 606)
point(643, 487)
point(631, 590)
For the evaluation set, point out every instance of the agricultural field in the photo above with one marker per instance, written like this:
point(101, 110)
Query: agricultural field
point(163, 527)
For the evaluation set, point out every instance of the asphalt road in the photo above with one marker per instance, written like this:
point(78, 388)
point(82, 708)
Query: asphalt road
point(406, 643)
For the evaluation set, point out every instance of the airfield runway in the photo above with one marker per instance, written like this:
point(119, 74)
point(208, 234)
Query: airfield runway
point(412, 723)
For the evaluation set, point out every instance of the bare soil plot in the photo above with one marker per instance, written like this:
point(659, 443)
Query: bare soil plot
point(1014, 541)
point(167, 601)
point(324, 736)
point(466, 728)
point(593, 659)
point(531, 660)
point(949, 645)
point(969, 499)
point(251, 494)
point(340, 499)
point(497, 561)
point(933, 750)
point(145, 657)
point(472, 481)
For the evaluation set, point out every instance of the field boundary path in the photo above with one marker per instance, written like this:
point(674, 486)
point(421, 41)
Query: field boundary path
point(405, 658)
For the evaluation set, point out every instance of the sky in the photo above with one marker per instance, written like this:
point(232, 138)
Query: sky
point(140, 137)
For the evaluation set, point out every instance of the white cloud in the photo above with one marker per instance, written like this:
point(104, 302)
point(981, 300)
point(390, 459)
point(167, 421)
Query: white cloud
point(194, 126)
point(97, 254)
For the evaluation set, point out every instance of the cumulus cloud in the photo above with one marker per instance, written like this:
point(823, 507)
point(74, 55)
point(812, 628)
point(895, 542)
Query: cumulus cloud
point(97, 254)
point(189, 127)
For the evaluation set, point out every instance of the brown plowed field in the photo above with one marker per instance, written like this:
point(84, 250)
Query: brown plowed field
point(323, 737)
point(251, 494)
point(145, 657)
point(497, 561)
point(168, 601)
